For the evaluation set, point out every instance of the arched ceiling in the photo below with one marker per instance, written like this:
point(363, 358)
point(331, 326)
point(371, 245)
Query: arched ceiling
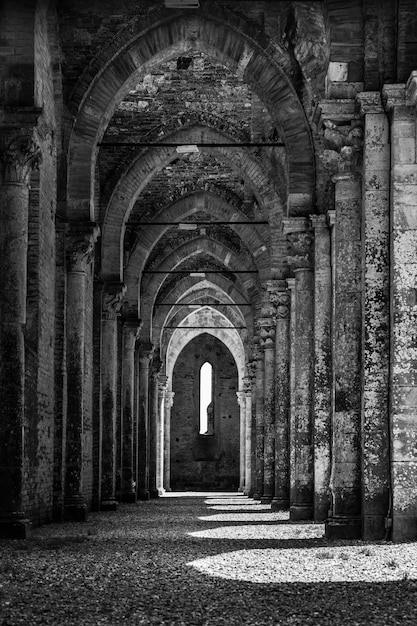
point(143, 80)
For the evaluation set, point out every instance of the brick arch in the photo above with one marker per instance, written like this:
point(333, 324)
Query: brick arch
point(186, 206)
point(265, 69)
point(149, 287)
point(230, 337)
point(167, 315)
point(147, 164)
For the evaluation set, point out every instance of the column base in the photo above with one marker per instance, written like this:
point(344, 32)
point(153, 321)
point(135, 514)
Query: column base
point(266, 499)
point(109, 505)
point(374, 527)
point(250, 493)
point(301, 512)
point(143, 494)
point(75, 510)
point(161, 491)
point(256, 496)
point(279, 504)
point(129, 497)
point(241, 490)
point(321, 512)
point(246, 492)
point(343, 527)
point(16, 526)
point(153, 493)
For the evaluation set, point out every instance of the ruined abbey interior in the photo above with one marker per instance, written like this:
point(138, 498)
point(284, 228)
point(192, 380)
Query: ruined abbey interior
point(208, 249)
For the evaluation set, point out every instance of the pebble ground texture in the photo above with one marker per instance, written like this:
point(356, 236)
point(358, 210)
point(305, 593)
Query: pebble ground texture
point(203, 559)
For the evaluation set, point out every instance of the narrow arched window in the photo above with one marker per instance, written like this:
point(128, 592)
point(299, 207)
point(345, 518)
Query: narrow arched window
point(206, 399)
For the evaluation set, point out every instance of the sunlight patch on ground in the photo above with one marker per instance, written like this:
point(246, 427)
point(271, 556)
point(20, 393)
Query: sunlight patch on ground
point(328, 564)
point(246, 517)
point(255, 532)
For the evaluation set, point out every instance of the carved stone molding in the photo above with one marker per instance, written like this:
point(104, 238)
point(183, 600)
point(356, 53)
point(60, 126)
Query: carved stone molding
point(169, 399)
point(162, 385)
point(113, 294)
point(300, 249)
point(146, 353)
point(80, 245)
point(247, 384)
point(280, 298)
point(20, 154)
point(369, 102)
point(131, 330)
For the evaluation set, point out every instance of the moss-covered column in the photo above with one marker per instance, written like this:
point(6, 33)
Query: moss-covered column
point(168, 402)
point(322, 391)
point(266, 324)
point(247, 390)
point(259, 412)
point(291, 289)
point(345, 520)
point(111, 303)
point(280, 297)
point(145, 358)
point(154, 428)
point(19, 154)
point(300, 238)
point(241, 398)
point(401, 102)
point(80, 249)
point(131, 329)
point(160, 434)
point(375, 317)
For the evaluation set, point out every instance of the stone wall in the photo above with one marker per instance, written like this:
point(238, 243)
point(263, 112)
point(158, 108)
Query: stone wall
point(205, 462)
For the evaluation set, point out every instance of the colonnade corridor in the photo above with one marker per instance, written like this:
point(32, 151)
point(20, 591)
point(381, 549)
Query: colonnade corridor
point(203, 558)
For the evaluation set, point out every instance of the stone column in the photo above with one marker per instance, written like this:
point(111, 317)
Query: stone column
point(345, 520)
point(301, 238)
point(259, 412)
point(291, 288)
point(401, 102)
point(111, 303)
point(266, 324)
point(154, 429)
point(251, 368)
point(131, 329)
point(242, 438)
point(80, 249)
point(322, 366)
point(162, 386)
point(375, 317)
point(247, 390)
point(168, 402)
point(145, 358)
point(281, 300)
point(18, 156)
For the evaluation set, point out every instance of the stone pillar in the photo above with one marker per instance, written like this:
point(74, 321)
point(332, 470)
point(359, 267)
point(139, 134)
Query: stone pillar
point(266, 324)
point(322, 392)
point(375, 317)
point(80, 249)
point(401, 102)
point(301, 238)
point(248, 435)
point(111, 303)
point(242, 438)
point(18, 156)
point(345, 520)
point(162, 386)
point(154, 429)
point(131, 329)
point(251, 368)
point(291, 288)
point(259, 412)
point(281, 300)
point(168, 402)
point(145, 358)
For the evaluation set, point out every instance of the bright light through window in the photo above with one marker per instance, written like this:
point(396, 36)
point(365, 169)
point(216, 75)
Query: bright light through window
point(206, 396)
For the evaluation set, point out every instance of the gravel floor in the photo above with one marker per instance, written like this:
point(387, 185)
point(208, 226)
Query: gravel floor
point(203, 559)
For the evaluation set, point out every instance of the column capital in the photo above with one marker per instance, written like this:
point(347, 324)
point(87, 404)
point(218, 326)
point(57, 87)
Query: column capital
point(319, 222)
point(369, 102)
point(112, 297)
point(331, 217)
point(20, 154)
point(169, 399)
point(81, 238)
point(291, 284)
point(241, 398)
point(162, 385)
point(247, 384)
point(132, 327)
point(394, 95)
point(301, 250)
point(146, 353)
